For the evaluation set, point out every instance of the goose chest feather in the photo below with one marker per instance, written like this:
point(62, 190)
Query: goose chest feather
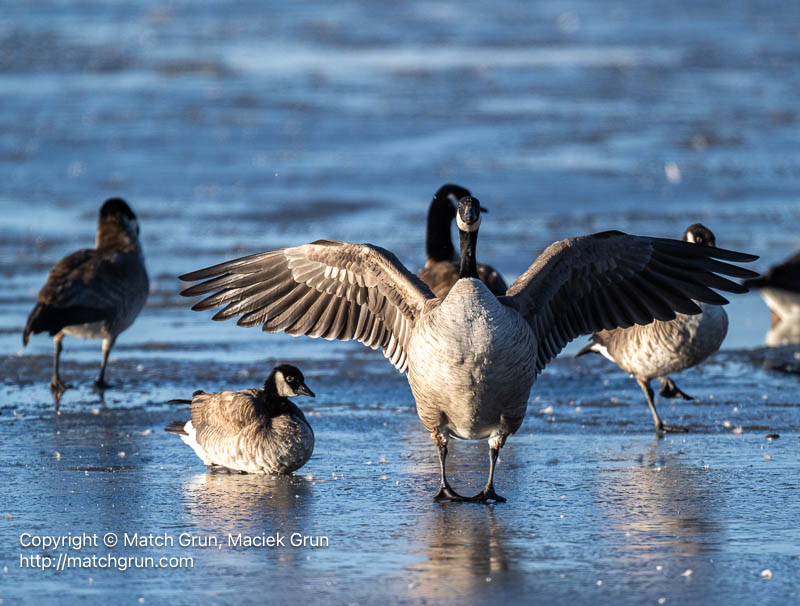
point(470, 363)
point(470, 357)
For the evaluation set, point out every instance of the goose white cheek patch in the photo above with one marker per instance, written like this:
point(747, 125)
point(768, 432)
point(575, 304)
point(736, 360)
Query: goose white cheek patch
point(464, 227)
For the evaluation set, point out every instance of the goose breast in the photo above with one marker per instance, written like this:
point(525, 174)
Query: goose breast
point(470, 362)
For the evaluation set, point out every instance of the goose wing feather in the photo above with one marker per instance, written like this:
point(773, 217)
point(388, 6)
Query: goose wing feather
point(86, 278)
point(611, 279)
point(328, 289)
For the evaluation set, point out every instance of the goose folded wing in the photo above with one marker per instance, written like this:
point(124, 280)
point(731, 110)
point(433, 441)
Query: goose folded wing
point(227, 412)
point(610, 279)
point(328, 289)
point(85, 284)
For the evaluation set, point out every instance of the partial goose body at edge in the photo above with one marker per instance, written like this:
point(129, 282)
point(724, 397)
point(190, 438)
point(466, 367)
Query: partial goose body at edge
point(783, 303)
point(470, 361)
point(664, 347)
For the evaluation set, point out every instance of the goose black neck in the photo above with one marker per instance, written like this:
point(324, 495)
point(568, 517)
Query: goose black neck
point(438, 245)
point(274, 404)
point(469, 267)
point(271, 388)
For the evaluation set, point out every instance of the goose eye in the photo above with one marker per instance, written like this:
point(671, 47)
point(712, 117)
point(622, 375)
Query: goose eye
point(290, 379)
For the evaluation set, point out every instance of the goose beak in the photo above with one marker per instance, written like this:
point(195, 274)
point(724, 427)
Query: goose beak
point(483, 210)
point(305, 391)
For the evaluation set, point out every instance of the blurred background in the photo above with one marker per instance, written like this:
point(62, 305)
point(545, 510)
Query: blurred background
point(252, 125)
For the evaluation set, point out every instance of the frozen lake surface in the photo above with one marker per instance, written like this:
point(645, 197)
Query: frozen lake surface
point(263, 125)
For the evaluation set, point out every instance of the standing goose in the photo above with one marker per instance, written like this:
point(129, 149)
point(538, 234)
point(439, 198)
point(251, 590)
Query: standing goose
point(470, 358)
point(250, 431)
point(442, 263)
point(780, 288)
point(94, 293)
point(662, 347)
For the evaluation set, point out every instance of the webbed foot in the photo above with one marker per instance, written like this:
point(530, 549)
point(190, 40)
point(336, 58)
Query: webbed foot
point(665, 428)
point(446, 494)
point(670, 390)
point(57, 386)
point(488, 495)
point(101, 384)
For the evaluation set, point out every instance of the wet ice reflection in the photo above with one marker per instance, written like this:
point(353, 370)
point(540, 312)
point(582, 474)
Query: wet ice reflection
point(661, 519)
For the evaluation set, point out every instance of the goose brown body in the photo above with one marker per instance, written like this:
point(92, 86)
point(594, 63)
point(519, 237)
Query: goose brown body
point(94, 293)
point(250, 431)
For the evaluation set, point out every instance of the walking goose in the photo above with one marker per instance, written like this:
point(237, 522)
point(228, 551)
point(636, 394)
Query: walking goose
point(470, 358)
point(662, 347)
point(250, 431)
point(442, 263)
point(94, 293)
point(780, 289)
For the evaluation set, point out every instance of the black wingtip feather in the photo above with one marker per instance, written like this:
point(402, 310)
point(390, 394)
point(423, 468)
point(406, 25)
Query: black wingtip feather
point(754, 283)
point(176, 427)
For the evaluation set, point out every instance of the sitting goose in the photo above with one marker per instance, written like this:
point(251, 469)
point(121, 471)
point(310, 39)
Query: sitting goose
point(250, 431)
point(442, 263)
point(663, 347)
point(470, 358)
point(94, 293)
point(780, 288)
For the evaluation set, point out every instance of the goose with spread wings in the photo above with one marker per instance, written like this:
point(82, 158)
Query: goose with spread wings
point(471, 358)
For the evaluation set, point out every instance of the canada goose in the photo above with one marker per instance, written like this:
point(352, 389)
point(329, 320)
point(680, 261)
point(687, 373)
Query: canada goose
point(442, 263)
point(94, 293)
point(470, 358)
point(780, 289)
point(250, 431)
point(662, 347)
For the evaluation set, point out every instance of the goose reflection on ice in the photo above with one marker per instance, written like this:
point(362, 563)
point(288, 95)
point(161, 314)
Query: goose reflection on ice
point(784, 332)
point(661, 508)
point(462, 550)
point(245, 503)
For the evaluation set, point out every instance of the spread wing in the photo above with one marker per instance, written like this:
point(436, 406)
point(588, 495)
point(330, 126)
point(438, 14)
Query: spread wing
point(611, 279)
point(328, 289)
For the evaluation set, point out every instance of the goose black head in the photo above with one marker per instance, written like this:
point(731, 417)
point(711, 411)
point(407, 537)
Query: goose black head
point(699, 234)
point(286, 381)
point(446, 198)
point(116, 207)
point(468, 219)
point(117, 225)
point(442, 211)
